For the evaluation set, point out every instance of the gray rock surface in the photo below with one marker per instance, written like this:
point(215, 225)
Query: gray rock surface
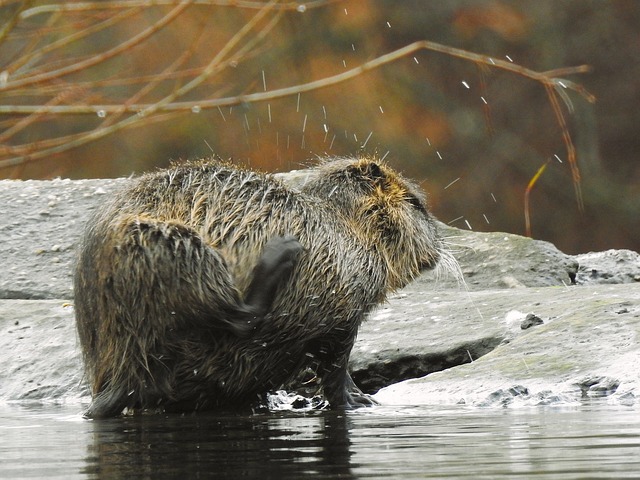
point(40, 225)
point(40, 356)
point(587, 346)
point(465, 342)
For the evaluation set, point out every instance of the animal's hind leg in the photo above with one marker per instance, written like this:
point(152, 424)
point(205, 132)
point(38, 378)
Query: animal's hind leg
point(182, 268)
point(156, 279)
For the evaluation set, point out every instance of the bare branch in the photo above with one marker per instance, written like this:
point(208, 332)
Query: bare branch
point(76, 67)
point(122, 4)
point(13, 21)
point(310, 86)
point(74, 37)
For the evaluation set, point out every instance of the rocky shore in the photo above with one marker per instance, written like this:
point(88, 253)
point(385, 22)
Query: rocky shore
point(531, 325)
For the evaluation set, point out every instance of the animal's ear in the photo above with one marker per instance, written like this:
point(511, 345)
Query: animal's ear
point(373, 171)
point(368, 170)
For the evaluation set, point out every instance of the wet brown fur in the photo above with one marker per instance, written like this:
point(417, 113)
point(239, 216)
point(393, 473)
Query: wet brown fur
point(165, 266)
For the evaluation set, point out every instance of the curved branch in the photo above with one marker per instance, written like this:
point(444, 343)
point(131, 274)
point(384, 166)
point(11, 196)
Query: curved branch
point(317, 84)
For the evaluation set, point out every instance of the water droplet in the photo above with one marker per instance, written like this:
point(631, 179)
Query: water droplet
point(367, 140)
point(439, 155)
point(557, 158)
point(388, 25)
point(301, 8)
point(486, 219)
point(326, 129)
point(468, 224)
point(508, 58)
point(416, 60)
point(196, 109)
point(494, 197)
point(452, 183)
point(428, 141)
point(101, 113)
point(381, 110)
point(483, 99)
point(465, 84)
point(345, 11)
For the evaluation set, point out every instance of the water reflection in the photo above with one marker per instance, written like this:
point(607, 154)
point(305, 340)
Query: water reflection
point(286, 446)
point(585, 441)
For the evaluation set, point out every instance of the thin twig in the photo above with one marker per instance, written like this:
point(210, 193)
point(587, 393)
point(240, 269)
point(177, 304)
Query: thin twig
point(74, 37)
point(123, 4)
point(571, 150)
point(9, 25)
point(94, 60)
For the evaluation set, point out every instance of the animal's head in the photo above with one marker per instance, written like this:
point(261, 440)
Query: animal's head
point(387, 213)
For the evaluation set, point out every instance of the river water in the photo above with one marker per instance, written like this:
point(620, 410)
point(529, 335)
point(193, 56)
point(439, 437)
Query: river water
point(589, 440)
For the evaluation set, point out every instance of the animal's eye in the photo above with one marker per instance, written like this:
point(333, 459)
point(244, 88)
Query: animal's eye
point(416, 203)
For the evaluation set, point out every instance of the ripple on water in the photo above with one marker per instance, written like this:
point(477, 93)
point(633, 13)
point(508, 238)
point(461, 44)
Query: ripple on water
point(570, 442)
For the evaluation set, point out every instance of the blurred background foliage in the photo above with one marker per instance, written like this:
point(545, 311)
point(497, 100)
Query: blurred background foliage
point(474, 137)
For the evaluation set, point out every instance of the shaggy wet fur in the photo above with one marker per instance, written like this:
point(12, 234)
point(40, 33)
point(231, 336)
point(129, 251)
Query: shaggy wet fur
point(204, 285)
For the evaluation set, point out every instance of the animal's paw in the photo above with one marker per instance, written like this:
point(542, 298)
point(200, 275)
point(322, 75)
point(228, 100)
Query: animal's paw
point(278, 256)
point(274, 267)
point(357, 399)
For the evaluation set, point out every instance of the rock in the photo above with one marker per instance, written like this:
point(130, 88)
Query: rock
point(586, 349)
point(531, 320)
point(41, 224)
point(420, 332)
point(39, 352)
point(503, 260)
point(611, 266)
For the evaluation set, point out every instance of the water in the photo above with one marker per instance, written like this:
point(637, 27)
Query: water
point(587, 441)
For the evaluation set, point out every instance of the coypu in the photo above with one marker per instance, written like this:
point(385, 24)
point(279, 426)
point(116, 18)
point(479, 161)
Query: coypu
point(205, 285)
